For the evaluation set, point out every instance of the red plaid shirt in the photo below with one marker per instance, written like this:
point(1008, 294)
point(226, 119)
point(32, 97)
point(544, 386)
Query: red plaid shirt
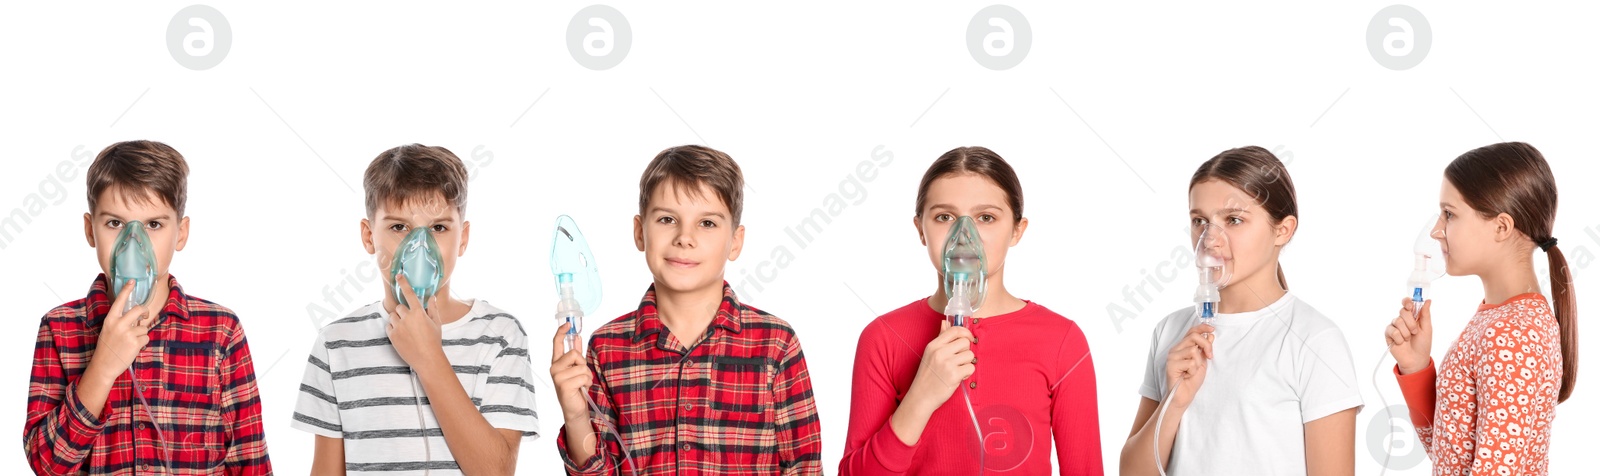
point(196, 375)
point(738, 402)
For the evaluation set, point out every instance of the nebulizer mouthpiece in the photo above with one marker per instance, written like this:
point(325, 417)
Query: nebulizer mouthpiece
point(417, 257)
point(964, 269)
point(133, 259)
point(1211, 253)
point(577, 277)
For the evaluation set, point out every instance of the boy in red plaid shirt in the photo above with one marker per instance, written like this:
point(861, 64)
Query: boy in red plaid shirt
point(190, 405)
point(694, 381)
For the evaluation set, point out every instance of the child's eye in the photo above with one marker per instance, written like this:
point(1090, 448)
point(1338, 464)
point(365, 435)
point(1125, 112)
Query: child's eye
point(666, 220)
point(1448, 215)
point(1197, 221)
point(114, 223)
point(943, 217)
point(1235, 220)
point(439, 228)
point(986, 218)
point(397, 227)
point(708, 223)
point(155, 225)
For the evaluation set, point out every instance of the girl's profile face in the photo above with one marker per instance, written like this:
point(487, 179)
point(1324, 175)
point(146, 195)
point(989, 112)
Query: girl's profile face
point(1465, 236)
point(952, 196)
point(1252, 237)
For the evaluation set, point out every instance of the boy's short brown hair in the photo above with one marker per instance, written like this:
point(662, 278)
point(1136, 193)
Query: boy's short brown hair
point(688, 166)
point(138, 169)
point(414, 171)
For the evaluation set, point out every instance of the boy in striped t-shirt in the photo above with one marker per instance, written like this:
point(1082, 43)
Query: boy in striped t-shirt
point(693, 381)
point(420, 382)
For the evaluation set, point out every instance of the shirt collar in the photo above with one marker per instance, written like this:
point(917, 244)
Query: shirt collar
point(646, 321)
point(100, 297)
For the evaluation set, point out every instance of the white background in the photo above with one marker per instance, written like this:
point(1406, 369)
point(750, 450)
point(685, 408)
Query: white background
point(1105, 119)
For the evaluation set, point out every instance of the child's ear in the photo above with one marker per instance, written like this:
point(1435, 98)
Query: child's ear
point(366, 236)
point(738, 243)
point(1285, 230)
point(638, 232)
point(921, 234)
point(1505, 227)
point(88, 229)
point(183, 234)
point(1016, 233)
point(466, 233)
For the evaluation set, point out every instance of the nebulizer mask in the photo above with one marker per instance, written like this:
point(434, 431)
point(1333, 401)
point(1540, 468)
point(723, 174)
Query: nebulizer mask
point(133, 259)
point(1212, 252)
point(1427, 264)
point(964, 269)
point(578, 288)
point(418, 258)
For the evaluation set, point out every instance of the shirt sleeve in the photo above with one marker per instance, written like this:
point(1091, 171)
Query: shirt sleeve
point(1326, 381)
point(1155, 366)
point(799, 430)
point(871, 447)
point(1421, 394)
point(59, 431)
point(508, 402)
point(241, 409)
point(607, 452)
point(1511, 372)
point(317, 410)
point(1074, 413)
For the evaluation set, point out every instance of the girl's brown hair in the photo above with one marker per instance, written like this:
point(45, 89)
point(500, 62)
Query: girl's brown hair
point(1259, 173)
point(1513, 178)
point(974, 160)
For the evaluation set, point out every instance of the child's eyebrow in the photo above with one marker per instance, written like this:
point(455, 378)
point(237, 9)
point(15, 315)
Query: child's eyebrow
point(981, 206)
point(1224, 211)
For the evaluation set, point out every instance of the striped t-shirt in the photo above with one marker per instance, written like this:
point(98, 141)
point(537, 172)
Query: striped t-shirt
point(357, 388)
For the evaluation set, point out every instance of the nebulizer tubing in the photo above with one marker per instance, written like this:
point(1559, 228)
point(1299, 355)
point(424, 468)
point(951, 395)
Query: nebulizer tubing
point(1424, 268)
point(1210, 260)
point(133, 259)
point(418, 258)
point(578, 285)
point(964, 269)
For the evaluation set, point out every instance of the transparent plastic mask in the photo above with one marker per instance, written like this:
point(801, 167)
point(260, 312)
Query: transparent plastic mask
point(133, 259)
point(576, 273)
point(418, 257)
point(1211, 254)
point(964, 268)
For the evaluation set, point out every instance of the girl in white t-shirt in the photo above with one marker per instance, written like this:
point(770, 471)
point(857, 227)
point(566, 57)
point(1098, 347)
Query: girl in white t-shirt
point(1270, 389)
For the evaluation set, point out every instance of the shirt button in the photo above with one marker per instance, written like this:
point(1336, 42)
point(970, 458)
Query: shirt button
point(683, 446)
point(972, 384)
point(688, 407)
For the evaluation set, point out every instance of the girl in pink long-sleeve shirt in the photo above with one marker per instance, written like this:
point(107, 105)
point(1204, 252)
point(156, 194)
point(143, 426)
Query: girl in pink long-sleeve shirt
point(1034, 384)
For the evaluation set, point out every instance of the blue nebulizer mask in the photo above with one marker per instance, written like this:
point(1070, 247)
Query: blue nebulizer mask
point(1211, 252)
point(133, 259)
point(963, 269)
point(418, 257)
point(578, 289)
point(577, 277)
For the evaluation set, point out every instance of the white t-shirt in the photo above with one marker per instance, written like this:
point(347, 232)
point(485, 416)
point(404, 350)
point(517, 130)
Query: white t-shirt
point(357, 388)
point(1272, 371)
